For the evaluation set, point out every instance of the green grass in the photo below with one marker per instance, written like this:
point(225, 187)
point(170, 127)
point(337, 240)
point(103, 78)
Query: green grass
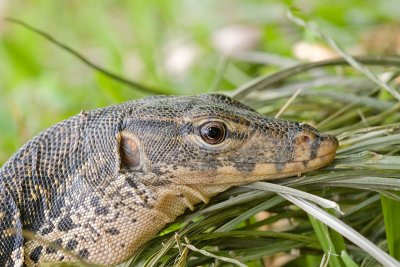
point(391, 215)
point(42, 84)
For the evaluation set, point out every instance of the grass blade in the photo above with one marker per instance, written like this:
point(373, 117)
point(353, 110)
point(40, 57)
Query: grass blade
point(391, 216)
point(206, 253)
point(348, 261)
point(325, 240)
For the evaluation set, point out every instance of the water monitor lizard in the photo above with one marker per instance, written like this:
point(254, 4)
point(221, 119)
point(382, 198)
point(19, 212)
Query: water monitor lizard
point(103, 182)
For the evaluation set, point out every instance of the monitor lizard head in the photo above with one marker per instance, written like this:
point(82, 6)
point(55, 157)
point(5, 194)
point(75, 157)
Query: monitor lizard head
point(215, 140)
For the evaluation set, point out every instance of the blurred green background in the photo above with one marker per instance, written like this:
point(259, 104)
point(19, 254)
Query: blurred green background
point(182, 47)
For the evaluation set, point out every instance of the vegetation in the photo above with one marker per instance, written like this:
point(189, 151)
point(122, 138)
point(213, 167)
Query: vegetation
point(176, 47)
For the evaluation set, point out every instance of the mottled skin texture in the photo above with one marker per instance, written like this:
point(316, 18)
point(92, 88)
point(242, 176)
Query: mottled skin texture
point(102, 183)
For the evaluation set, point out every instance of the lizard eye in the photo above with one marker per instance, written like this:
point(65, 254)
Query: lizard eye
point(213, 132)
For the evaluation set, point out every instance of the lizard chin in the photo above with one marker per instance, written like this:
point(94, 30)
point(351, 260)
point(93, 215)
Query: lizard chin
point(278, 170)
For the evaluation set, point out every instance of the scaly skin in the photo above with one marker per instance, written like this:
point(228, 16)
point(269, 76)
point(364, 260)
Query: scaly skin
point(102, 183)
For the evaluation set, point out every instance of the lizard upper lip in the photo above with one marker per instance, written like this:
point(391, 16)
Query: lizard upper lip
point(285, 162)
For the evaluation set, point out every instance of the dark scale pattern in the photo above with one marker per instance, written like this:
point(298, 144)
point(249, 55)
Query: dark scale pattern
point(71, 245)
point(103, 182)
point(83, 254)
point(35, 254)
point(66, 224)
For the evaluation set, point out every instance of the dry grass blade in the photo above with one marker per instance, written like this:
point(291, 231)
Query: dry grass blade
point(288, 103)
point(276, 188)
point(208, 254)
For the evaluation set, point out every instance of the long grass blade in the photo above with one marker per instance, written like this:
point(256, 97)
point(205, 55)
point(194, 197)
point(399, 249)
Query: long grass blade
point(86, 61)
point(391, 216)
point(323, 235)
point(345, 230)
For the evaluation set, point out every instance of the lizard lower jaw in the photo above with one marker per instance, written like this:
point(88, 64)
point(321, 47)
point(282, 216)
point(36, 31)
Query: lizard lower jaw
point(300, 167)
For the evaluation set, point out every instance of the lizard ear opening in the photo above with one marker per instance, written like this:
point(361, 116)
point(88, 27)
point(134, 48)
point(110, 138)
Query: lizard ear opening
point(129, 152)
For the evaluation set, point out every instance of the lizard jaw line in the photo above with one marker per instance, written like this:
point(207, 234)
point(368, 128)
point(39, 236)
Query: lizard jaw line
point(296, 168)
point(232, 176)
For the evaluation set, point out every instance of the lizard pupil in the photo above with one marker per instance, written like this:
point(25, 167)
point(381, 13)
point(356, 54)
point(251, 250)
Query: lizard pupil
point(213, 132)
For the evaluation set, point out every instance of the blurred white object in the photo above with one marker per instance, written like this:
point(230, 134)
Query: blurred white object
point(236, 38)
point(313, 51)
point(179, 58)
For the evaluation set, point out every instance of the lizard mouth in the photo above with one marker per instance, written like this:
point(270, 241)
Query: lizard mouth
point(303, 166)
point(231, 173)
point(244, 173)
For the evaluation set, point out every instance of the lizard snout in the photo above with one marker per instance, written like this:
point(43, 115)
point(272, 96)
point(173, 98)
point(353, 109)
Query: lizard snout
point(312, 145)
